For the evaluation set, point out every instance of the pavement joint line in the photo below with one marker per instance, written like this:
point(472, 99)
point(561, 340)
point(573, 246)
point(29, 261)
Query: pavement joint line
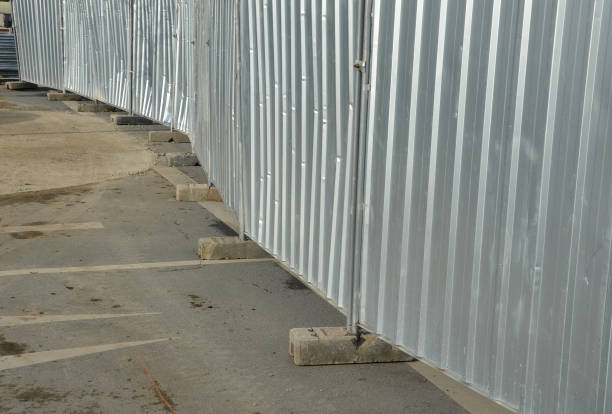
point(68, 133)
point(34, 358)
point(7, 321)
point(43, 228)
point(133, 266)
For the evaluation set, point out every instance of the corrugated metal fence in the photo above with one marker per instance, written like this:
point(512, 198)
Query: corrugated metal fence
point(38, 25)
point(469, 164)
point(120, 52)
point(9, 68)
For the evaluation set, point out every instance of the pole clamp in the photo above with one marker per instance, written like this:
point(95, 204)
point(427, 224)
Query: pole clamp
point(360, 65)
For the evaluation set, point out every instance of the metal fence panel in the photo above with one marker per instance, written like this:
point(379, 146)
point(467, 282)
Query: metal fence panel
point(39, 41)
point(9, 68)
point(153, 59)
point(487, 235)
point(184, 44)
point(487, 231)
point(297, 108)
point(97, 45)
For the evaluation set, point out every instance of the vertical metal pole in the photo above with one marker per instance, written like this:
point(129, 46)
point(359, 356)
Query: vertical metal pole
point(177, 47)
point(237, 103)
point(362, 91)
point(132, 57)
point(15, 18)
point(63, 46)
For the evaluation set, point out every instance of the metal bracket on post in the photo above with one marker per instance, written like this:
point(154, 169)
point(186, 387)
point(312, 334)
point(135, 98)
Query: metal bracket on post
point(362, 91)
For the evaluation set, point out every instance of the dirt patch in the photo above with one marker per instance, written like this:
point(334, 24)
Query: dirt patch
point(294, 284)
point(25, 235)
point(40, 395)
point(41, 197)
point(11, 348)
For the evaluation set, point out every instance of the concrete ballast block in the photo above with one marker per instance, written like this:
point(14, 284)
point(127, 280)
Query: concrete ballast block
point(167, 136)
point(96, 107)
point(125, 119)
point(220, 248)
point(181, 159)
point(63, 96)
point(192, 192)
point(15, 86)
point(331, 346)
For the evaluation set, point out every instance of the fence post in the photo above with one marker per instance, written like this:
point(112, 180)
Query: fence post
point(237, 103)
point(132, 57)
point(362, 91)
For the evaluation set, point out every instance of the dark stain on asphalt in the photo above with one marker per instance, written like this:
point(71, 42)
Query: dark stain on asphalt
point(294, 284)
point(11, 348)
point(196, 301)
point(26, 235)
point(43, 196)
point(40, 395)
point(37, 223)
point(223, 228)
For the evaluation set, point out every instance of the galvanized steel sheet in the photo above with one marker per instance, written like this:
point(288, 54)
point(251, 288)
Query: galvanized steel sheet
point(9, 68)
point(39, 41)
point(183, 100)
point(487, 236)
point(97, 49)
point(297, 106)
point(487, 210)
point(154, 67)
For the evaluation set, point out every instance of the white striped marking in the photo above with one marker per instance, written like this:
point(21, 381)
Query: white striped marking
point(44, 228)
point(31, 320)
point(135, 266)
point(34, 358)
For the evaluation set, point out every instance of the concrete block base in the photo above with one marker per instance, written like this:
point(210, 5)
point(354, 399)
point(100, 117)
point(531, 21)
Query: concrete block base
point(220, 248)
point(96, 107)
point(181, 159)
point(197, 192)
point(125, 119)
point(167, 136)
point(331, 346)
point(16, 86)
point(63, 96)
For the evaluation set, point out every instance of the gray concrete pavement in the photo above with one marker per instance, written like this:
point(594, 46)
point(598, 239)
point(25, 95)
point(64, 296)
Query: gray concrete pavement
point(222, 328)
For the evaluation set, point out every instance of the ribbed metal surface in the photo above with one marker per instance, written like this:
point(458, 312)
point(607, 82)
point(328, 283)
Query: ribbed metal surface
point(297, 118)
point(8, 57)
point(184, 98)
point(99, 39)
point(153, 59)
point(97, 50)
point(39, 41)
point(487, 228)
point(487, 238)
